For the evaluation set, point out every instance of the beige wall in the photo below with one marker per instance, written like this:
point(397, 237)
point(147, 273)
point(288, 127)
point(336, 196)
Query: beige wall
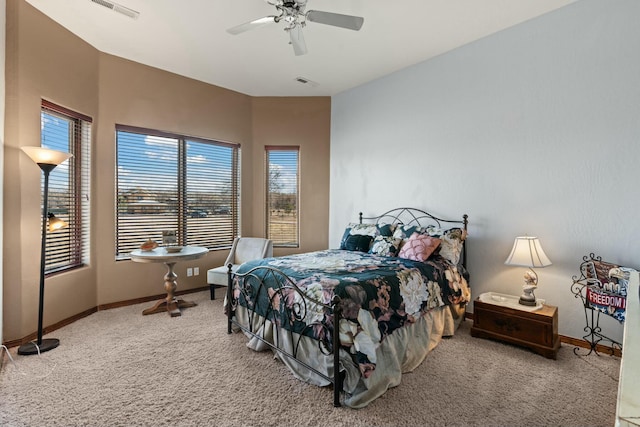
point(137, 95)
point(43, 61)
point(46, 61)
point(304, 122)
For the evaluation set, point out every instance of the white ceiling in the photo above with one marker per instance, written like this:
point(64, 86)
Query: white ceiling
point(188, 37)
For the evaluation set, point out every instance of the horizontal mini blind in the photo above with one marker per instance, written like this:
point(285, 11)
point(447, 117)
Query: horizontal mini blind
point(147, 185)
point(69, 186)
point(282, 195)
point(170, 182)
point(212, 194)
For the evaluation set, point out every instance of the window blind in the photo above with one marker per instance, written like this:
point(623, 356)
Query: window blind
point(69, 186)
point(282, 195)
point(171, 182)
point(212, 192)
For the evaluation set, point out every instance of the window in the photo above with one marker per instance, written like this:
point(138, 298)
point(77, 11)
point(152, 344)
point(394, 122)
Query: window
point(172, 182)
point(282, 195)
point(69, 186)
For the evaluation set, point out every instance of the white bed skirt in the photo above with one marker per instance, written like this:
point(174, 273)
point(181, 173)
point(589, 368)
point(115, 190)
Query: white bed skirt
point(398, 353)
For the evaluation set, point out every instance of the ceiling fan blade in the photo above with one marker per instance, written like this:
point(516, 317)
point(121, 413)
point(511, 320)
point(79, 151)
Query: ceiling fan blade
point(349, 22)
point(297, 40)
point(251, 25)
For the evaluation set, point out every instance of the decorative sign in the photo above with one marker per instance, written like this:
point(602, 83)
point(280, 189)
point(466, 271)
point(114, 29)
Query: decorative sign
point(612, 305)
point(607, 288)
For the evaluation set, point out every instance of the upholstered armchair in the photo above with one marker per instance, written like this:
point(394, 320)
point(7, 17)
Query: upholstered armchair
point(243, 249)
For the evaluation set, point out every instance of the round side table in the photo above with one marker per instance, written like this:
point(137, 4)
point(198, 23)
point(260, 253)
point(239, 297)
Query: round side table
point(170, 304)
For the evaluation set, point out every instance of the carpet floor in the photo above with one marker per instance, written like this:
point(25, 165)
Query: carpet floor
point(120, 368)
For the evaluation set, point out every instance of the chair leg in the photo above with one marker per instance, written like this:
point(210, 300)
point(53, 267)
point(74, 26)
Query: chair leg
point(212, 289)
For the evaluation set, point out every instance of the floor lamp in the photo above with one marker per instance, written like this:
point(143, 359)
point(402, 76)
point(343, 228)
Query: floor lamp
point(47, 160)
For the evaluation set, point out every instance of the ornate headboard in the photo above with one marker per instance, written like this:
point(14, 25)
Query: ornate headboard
point(418, 217)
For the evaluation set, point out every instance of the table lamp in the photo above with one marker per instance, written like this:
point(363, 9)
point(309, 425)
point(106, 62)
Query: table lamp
point(47, 160)
point(527, 252)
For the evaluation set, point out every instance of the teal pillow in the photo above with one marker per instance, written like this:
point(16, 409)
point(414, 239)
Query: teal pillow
point(385, 229)
point(372, 230)
point(358, 242)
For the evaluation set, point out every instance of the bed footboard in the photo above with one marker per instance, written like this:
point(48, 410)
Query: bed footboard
point(269, 295)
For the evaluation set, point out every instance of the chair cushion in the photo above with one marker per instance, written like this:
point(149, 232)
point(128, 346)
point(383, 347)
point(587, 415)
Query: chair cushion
point(218, 275)
point(248, 249)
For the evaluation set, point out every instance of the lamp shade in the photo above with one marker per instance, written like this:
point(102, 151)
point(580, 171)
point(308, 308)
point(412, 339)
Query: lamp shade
point(46, 156)
point(527, 252)
point(56, 223)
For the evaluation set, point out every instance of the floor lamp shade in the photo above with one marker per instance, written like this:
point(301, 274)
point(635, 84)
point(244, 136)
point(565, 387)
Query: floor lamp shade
point(46, 156)
point(47, 160)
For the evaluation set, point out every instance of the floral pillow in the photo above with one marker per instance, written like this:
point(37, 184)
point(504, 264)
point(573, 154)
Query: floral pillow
point(385, 246)
point(419, 247)
point(451, 246)
point(405, 231)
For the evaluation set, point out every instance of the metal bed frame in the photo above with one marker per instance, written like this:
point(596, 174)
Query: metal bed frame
point(331, 343)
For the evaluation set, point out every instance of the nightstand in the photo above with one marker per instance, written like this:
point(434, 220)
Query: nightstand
point(500, 317)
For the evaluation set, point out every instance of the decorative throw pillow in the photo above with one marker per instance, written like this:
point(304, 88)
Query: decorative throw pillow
point(405, 231)
point(386, 229)
point(419, 247)
point(372, 230)
point(451, 246)
point(366, 229)
point(347, 233)
point(358, 242)
point(385, 246)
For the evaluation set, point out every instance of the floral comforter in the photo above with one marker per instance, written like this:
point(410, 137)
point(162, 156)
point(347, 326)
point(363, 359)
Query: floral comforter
point(378, 295)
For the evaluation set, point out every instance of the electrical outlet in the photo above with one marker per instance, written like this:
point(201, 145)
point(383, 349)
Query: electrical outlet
point(196, 271)
point(189, 272)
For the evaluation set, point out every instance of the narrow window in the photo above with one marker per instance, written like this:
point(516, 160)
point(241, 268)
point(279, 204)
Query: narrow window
point(69, 186)
point(172, 182)
point(282, 195)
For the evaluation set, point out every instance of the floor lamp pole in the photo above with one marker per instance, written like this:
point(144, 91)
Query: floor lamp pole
point(42, 345)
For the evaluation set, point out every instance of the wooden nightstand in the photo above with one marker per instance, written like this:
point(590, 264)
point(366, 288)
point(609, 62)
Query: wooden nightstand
point(499, 317)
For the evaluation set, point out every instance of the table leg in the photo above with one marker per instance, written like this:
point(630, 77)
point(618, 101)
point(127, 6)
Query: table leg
point(170, 304)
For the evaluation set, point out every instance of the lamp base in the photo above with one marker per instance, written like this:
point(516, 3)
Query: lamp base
point(527, 297)
point(31, 347)
point(528, 302)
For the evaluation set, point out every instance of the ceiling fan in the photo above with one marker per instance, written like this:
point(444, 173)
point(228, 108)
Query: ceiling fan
point(292, 13)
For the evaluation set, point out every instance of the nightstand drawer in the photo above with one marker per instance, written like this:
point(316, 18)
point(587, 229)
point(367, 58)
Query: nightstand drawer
point(515, 326)
point(537, 330)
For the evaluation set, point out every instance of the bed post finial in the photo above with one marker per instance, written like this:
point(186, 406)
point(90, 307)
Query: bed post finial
point(360, 217)
point(465, 220)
